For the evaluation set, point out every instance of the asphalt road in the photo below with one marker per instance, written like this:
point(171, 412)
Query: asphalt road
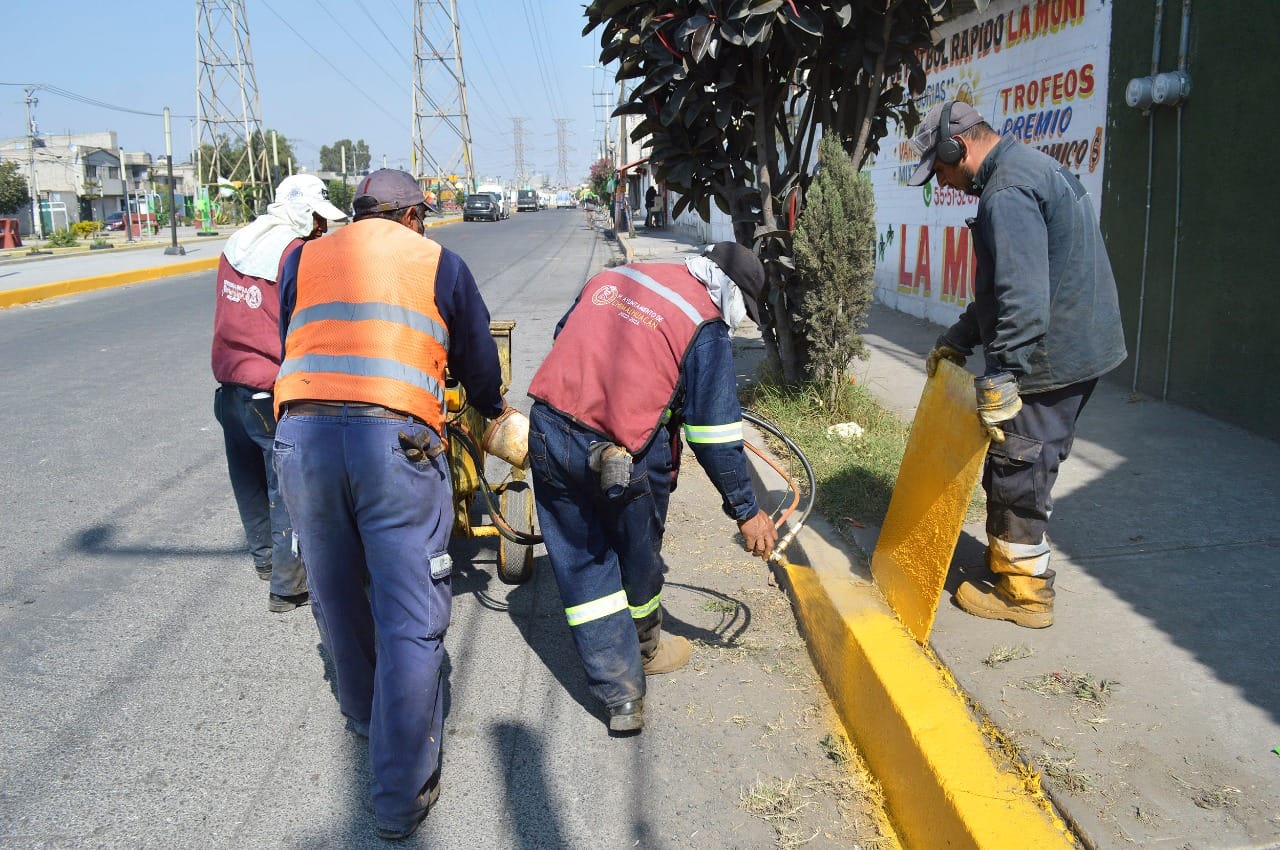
point(149, 700)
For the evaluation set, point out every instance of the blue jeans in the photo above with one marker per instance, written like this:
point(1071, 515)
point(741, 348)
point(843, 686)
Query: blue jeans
point(374, 529)
point(248, 429)
point(606, 553)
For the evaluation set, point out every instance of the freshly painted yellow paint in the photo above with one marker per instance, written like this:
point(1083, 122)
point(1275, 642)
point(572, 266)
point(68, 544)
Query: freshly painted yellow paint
point(942, 786)
point(105, 281)
point(939, 471)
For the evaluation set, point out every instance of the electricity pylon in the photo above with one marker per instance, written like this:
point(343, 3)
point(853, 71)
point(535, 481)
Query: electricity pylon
point(441, 128)
point(227, 106)
point(562, 152)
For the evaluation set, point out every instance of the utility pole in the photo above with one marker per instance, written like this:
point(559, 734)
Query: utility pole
point(227, 105)
point(440, 117)
point(521, 167)
point(174, 247)
point(562, 152)
point(37, 224)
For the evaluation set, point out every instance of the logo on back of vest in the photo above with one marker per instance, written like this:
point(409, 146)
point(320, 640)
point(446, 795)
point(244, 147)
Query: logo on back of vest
point(235, 293)
point(604, 295)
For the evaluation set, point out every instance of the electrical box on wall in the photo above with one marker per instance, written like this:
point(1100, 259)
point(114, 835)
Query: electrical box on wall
point(1168, 89)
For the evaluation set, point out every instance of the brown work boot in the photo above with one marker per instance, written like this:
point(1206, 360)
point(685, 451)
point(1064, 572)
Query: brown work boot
point(1025, 600)
point(673, 652)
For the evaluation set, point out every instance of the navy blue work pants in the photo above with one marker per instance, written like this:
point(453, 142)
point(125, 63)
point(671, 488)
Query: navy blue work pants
point(606, 554)
point(248, 430)
point(1019, 473)
point(373, 527)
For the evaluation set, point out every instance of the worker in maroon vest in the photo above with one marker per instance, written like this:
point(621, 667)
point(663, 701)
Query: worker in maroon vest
point(246, 357)
point(641, 357)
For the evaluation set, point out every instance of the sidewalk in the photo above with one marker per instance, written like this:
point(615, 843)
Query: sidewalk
point(1167, 548)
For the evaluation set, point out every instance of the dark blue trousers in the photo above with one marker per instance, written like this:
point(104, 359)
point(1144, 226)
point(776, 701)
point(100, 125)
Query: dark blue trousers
point(374, 530)
point(606, 554)
point(248, 430)
point(1019, 473)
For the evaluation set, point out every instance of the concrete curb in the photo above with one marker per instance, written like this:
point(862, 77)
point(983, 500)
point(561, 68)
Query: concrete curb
point(912, 723)
point(45, 291)
point(88, 284)
point(628, 253)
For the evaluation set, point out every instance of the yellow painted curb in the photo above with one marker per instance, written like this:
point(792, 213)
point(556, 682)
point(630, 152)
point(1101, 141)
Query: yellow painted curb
point(941, 784)
point(105, 281)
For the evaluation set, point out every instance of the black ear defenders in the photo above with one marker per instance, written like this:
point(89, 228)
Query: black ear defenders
point(950, 150)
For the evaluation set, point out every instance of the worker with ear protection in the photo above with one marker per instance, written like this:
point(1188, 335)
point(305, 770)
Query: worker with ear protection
point(641, 358)
point(1046, 314)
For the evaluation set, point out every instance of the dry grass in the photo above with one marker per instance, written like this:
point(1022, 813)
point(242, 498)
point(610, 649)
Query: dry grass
point(1081, 686)
point(1002, 655)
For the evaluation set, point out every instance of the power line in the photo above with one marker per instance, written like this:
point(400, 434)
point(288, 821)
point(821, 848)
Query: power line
point(398, 51)
point(348, 80)
point(363, 50)
point(85, 99)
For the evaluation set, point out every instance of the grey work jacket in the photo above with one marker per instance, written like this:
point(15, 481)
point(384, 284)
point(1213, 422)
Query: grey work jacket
point(1044, 305)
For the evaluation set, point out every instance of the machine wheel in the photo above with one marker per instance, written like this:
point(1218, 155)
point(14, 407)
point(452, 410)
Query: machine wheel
point(515, 560)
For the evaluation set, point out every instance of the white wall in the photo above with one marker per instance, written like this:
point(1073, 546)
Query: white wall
point(1043, 77)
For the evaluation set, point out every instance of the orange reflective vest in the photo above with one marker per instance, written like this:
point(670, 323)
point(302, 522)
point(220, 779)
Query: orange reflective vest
point(365, 327)
point(616, 364)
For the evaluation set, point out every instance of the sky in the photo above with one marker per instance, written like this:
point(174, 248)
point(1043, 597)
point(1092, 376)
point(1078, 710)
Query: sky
point(326, 70)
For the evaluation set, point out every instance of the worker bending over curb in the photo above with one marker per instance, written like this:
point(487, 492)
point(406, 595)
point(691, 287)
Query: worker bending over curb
point(642, 355)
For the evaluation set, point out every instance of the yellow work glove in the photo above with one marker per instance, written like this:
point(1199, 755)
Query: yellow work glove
point(943, 351)
point(760, 535)
point(998, 402)
point(507, 437)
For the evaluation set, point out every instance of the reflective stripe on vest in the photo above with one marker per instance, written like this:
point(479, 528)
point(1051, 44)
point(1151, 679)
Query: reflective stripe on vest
point(728, 433)
point(596, 608)
point(665, 291)
point(365, 326)
point(615, 366)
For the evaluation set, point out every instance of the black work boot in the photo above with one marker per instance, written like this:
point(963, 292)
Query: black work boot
point(627, 716)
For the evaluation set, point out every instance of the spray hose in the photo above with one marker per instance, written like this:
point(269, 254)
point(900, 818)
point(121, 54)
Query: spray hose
point(755, 419)
point(459, 433)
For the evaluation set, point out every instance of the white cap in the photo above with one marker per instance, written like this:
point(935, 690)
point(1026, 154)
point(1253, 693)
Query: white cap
point(307, 193)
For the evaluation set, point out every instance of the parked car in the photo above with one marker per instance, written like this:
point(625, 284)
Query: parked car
point(114, 221)
point(481, 205)
point(527, 200)
point(501, 201)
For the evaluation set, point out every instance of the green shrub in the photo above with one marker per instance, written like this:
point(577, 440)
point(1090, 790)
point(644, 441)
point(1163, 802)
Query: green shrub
point(84, 229)
point(62, 239)
point(835, 266)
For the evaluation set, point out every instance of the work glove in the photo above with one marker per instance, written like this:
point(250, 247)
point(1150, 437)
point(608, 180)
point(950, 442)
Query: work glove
point(507, 437)
point(998, 401)
point(612, 464)
point(943, 350)
point(760, 534)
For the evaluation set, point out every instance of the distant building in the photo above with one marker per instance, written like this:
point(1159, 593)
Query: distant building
point(79, 176)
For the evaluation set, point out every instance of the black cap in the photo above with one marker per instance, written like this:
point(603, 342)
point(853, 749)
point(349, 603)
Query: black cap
point(385, 190)
point(743, 268)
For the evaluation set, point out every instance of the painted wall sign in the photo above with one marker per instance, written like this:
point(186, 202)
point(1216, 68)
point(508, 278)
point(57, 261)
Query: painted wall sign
point(1035, 70)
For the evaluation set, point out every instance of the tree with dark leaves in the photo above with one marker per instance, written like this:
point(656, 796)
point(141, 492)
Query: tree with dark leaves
point(733, 95)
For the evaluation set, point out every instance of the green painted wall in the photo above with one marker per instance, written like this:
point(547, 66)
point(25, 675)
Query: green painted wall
point(1224, 342)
